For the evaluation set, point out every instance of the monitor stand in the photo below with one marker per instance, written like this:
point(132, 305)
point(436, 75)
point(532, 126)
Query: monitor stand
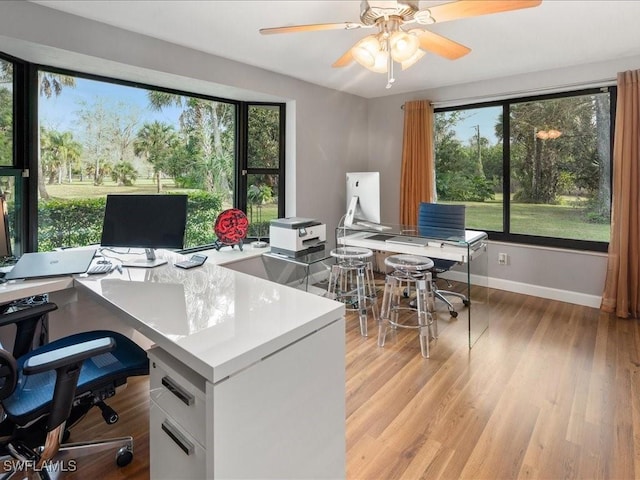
point(149, 262)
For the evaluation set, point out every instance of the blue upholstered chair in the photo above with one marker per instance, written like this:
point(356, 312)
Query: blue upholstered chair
point(441, 221)
point(45, 391)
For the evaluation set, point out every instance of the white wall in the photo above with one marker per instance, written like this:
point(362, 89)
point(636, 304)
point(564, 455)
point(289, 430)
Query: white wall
point(326, 129)
point(552, 273)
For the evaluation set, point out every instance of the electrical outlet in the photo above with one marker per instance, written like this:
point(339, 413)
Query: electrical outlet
point(503, 259)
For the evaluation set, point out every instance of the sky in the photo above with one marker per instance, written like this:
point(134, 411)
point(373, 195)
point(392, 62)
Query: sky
point(60, 113)
point(486, 118)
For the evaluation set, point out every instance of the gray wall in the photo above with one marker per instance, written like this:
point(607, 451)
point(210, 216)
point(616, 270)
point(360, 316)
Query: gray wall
point(328, 133)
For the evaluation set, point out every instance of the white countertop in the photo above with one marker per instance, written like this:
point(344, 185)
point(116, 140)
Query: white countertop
point(216, 320)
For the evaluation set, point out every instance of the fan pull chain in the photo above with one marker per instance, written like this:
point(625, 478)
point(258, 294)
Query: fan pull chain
point(390, 78)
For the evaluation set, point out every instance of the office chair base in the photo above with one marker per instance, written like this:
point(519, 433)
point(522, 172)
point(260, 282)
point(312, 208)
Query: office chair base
point(452, 310)
point(123, 447)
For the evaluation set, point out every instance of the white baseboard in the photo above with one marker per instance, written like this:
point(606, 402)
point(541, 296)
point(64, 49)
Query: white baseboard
point(576, 298)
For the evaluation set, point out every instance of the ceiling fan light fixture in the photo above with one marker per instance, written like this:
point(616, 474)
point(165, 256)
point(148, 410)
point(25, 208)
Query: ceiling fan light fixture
point(381, 63)
point(403, 46)
point(414, 59)
point(365, 51)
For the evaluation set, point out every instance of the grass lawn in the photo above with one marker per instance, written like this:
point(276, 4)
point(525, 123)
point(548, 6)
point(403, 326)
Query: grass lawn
point(86, 189)
point(561, 221)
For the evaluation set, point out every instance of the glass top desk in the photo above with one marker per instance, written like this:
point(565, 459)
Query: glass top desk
point(295, 272)
point(468, 250)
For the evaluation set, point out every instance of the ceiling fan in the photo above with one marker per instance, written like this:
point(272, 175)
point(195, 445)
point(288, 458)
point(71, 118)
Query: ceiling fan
point(400, 37)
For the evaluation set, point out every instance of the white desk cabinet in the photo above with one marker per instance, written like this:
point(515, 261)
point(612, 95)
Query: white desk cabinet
point(282, 417)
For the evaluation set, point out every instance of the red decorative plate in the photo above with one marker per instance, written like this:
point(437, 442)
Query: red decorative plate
point(231, 226)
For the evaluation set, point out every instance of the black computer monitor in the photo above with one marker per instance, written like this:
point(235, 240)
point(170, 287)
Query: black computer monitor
point(145, 221)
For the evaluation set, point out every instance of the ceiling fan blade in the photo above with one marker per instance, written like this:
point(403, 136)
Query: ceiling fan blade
point(442, 46)
point(474, 8)
point(344, 60)
point(311, 28)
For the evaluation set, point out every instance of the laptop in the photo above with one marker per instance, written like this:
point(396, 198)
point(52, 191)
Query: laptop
point(408, 240)
point(51, 264)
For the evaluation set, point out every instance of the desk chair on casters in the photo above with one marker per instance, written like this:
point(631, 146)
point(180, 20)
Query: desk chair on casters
point(44, 392)
point(441, 221)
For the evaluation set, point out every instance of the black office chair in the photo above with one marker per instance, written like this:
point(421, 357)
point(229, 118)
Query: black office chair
point(441, 221)
point(45, 391)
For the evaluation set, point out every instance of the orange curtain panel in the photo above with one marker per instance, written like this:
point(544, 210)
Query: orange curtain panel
point(622, 285)
point(417, 172)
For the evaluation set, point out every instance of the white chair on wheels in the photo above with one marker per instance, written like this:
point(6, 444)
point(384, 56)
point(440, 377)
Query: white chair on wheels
point(409, 272)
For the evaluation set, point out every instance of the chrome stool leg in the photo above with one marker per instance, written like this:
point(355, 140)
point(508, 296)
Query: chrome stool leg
point(424, 316)
point(334, 277)
point(362, 301)
point(385, 310)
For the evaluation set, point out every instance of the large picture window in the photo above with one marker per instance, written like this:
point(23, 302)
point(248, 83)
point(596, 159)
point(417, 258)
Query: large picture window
point(99, 137)
point(532, 170)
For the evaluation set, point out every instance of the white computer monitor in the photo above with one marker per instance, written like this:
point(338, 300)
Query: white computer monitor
point(363, 197)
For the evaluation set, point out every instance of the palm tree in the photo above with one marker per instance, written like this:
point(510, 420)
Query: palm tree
point(208, 124)
point(124, 173)
point(156, 142)
point(67, 152)
point(52, 83)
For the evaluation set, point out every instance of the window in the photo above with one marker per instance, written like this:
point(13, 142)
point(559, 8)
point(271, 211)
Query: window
point(549, 183)
point(263, 171)
point(98, 136)
point(10, 176)
point(6, 113)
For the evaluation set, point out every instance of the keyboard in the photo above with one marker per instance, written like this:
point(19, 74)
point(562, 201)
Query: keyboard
point(98, 268)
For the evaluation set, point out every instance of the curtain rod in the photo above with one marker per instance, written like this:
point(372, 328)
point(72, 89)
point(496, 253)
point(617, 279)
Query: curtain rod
point(607, 82)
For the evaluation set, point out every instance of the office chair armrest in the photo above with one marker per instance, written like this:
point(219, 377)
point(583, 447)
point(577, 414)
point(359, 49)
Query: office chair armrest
point(26, 320)
point(26, 313)
point(69, 355)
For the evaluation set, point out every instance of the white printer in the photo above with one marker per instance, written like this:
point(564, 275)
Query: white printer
point(296, 236)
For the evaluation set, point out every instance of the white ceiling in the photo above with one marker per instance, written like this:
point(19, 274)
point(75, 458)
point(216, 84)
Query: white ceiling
point(556, 34)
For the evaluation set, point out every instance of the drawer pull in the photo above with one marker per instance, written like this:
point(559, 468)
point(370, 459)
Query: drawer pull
point(185, 445)
point(178, 391)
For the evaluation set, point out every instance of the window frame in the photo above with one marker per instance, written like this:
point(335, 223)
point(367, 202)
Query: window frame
point(26, 138)
point(506, 235)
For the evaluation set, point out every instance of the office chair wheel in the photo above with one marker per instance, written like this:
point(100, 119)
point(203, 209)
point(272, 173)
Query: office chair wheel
point(124, 456)
point(453, 313)
point(466, 302)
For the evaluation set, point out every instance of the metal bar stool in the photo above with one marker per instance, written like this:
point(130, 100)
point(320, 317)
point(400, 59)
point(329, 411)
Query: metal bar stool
point(351, 282)
point(408, 271)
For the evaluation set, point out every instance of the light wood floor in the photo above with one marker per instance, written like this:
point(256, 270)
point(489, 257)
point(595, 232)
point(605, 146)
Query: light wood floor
point(550, 391)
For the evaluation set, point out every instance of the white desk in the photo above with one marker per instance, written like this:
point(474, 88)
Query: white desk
point(469, 252)
point(263, 365)
point(445, 250)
